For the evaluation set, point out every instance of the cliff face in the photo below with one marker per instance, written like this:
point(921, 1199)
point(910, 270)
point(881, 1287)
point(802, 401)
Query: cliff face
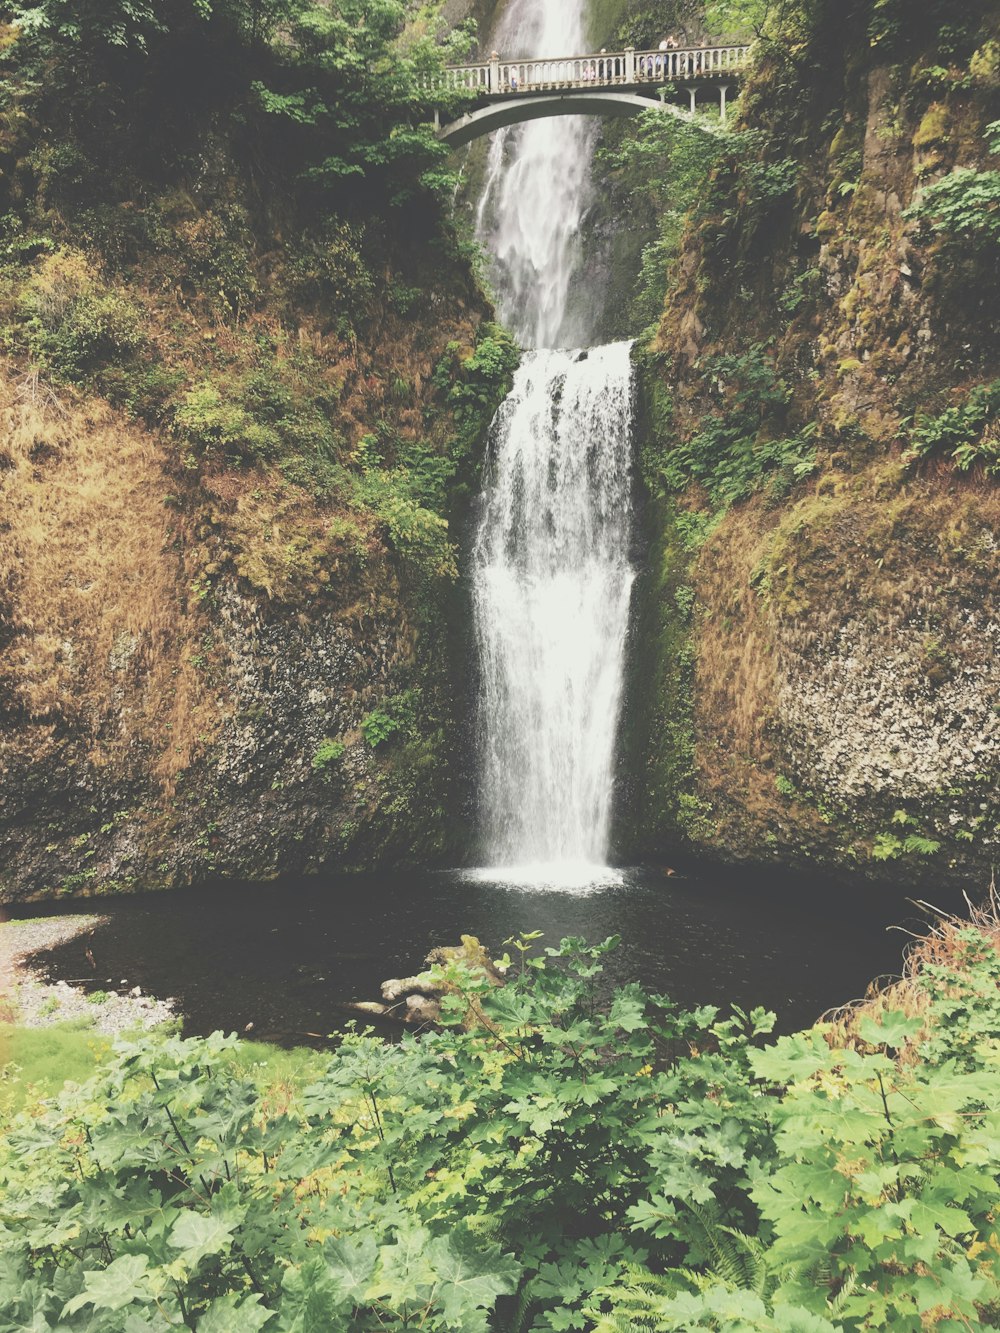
point(242, 410)
point(213, 674)
point(820, 623)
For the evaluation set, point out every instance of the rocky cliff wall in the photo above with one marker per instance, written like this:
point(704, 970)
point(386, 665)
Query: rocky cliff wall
point(242, 412)
point(217, 673)
point(820, 625)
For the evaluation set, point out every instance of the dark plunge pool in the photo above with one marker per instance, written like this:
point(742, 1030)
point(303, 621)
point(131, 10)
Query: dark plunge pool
point(286, 957)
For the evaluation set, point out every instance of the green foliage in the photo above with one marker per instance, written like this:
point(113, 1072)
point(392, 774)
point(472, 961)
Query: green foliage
point(735, 452)
point(126, 24)
point(395, 716)
point(403, 497)
point(327, 756)
point(801, 291)
point(889, 846)
point(781, 19)
point(962, 207)
point(660, 162)
point(347, 82)
point(214, 424)
point(328, 267)
point(72, 324)
point(951, 30)
point(967, 433)
point(648, 1168)
point(474, 385)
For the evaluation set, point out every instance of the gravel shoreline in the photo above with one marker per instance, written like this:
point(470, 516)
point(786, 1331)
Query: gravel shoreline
point(37, 1003)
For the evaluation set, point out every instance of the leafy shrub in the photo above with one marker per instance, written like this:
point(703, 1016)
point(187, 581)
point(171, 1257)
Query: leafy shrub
point(962, 206)
point(407, 498)
point(18, 245)
point(393, 717)
point(73, 325)
point(216, 251)
point(327, 755)
point(664, 162)
point(548, 1160)
point(126, 24)
point(213, 423)
point(734, 452)
point(330, 268)
point(419, 534)
point(965, 433)
point(480, 381)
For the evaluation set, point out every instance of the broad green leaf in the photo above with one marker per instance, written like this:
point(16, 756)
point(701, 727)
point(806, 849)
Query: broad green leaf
point(197, 1236)
point(234, 1314)
point(350, 1264)
point(122, 1283)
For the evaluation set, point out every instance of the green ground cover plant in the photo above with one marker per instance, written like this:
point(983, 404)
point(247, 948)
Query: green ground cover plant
point(739, 447)
point(966, 433)
point(553, 1157)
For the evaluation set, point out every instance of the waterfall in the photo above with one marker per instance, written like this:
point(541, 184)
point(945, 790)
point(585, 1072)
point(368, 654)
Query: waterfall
point(551, 585)
point(537, 190)
point(551, 577)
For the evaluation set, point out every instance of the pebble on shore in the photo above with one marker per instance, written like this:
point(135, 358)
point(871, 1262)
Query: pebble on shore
point(34, 1002)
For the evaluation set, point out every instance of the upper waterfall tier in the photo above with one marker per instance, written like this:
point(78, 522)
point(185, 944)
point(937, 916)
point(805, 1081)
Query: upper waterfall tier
point(538, 188)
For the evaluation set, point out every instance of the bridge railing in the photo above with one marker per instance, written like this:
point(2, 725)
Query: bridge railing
point(606, 69)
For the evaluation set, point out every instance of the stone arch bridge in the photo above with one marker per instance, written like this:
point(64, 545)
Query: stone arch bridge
point(609, 83)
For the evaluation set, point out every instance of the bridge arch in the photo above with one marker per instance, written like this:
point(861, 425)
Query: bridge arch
point(514, 111)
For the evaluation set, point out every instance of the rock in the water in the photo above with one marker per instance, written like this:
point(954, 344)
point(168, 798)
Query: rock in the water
point(422, 1009)
point(470, 952)
point(367, 1007)
point(393, 991)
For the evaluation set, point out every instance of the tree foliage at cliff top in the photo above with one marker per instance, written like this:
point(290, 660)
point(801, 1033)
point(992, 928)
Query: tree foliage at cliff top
point(562, 1164)
point(344, 81)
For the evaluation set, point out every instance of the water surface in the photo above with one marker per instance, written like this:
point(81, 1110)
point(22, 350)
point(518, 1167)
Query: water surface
point(286, 957)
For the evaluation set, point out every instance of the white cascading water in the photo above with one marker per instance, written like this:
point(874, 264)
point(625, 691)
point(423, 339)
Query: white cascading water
point(538, 188)
point(551, 585)
point(550, 571)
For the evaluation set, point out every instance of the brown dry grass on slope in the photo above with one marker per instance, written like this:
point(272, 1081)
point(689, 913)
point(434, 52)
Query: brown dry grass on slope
point(946, 945)
point(93, 592)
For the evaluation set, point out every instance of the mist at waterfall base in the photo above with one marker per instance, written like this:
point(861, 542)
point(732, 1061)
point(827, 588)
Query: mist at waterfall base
point(286, 957)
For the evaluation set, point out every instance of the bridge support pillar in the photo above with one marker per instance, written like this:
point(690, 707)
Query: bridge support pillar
point(692, 91)
point(494, 71)
point(723, 89)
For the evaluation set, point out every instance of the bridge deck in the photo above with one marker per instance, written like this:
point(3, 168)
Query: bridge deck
point(627, 69)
